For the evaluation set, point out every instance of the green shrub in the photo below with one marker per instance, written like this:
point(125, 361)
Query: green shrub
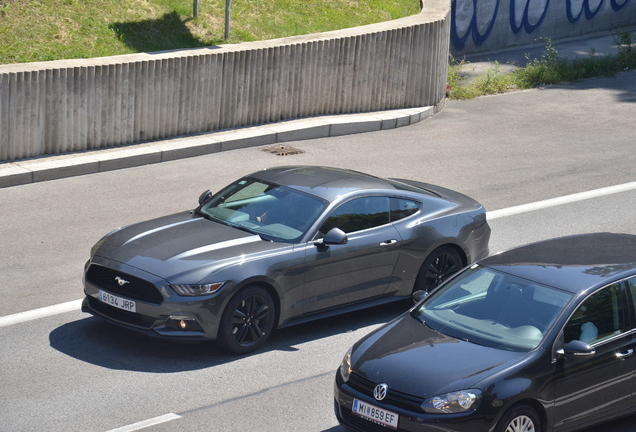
point(549, 69)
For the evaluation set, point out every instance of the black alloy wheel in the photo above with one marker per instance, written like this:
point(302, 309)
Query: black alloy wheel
point(520, 418)
point(247, 321)
point(442, 263)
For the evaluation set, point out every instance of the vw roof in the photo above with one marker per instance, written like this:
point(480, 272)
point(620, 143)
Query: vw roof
point(574, 263)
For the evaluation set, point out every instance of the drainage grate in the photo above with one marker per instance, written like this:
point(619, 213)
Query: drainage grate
point(282, 150)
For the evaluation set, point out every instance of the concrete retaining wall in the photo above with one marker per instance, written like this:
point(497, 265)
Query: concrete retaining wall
point(73, 105)
point(489, 25)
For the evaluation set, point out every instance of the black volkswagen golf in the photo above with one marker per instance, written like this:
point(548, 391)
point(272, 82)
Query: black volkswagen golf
point(537, 338)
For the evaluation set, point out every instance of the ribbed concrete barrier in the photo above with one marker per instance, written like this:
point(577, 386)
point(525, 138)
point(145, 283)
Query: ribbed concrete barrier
point(73, 105)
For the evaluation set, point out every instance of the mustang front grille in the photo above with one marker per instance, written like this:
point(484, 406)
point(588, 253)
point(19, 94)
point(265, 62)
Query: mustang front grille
point(123, 284)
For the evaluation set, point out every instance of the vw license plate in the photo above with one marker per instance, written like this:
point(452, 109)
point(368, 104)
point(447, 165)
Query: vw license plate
point(375, 414)
point(118, 302)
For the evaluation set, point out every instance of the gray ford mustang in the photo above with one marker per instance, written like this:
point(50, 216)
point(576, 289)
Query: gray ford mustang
point(279, 247)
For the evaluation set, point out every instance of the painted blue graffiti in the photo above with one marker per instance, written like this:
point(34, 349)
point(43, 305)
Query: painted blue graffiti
point(525, 21)
point(473, 28)
point(475, 19)
point(589, 13)
point(616, 6)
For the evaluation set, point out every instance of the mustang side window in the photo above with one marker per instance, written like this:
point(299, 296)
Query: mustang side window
point(358, 214)
point(401, 208)
point(599, 317)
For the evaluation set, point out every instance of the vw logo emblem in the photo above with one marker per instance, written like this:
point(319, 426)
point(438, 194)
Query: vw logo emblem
point(121, 281)
point(379, 392)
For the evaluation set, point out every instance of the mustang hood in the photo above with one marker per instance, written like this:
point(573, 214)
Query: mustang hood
point(412, 358)
point(179, 244)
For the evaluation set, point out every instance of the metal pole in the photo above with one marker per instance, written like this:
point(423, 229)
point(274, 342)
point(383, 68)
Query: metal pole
point(228, 4)
point(195, 8)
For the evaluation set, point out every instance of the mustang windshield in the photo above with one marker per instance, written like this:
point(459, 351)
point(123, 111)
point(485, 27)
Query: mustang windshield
point(275, 212)
point(493, 309)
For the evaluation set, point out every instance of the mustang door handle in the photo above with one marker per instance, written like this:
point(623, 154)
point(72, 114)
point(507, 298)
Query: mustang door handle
point(388, 243)
point(624, 355)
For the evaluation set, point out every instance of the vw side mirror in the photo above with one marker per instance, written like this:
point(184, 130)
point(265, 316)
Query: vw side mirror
point(577, 348)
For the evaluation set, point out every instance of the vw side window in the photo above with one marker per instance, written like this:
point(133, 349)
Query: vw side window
point(632, 290)
point(358, 214)
point(600, 317)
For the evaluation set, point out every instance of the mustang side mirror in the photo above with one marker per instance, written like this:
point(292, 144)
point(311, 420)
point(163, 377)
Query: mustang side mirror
point(334, 236)
point(205, 196)
point(418, 296)
point(577, 348)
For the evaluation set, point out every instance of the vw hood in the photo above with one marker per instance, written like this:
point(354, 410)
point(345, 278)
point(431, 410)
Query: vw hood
point(410, 357)
point(180, 244)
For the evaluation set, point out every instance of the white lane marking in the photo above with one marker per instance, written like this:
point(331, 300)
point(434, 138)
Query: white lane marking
point(496, 214)
point(40, 313)
point(491, 215)
point(147, 423)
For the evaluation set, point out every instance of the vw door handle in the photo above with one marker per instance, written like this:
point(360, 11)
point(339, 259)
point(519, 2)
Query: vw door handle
point(388, 243)
point(622, 356)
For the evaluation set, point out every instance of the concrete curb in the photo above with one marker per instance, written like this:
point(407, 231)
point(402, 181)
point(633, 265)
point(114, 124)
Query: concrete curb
point(91, 162)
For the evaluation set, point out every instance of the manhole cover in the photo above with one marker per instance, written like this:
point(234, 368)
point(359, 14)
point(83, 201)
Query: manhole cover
point(282, 150)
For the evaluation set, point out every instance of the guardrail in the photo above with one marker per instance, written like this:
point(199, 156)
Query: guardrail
point(73, 105)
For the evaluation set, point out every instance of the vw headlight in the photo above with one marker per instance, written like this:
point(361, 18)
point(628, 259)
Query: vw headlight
point(345, 366)
point(196, 289)
point(454, 402)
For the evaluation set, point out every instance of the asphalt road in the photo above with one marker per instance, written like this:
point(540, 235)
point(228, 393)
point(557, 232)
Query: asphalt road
point(71, 372)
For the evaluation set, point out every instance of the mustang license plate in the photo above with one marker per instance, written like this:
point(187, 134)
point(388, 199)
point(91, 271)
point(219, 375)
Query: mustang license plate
point(118, 302)
point(375, 414)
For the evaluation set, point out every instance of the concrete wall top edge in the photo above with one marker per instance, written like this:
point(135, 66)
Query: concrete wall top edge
point(432, 11)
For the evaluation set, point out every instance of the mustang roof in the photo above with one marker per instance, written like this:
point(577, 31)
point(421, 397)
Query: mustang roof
point(324, 182)
point(574, 263)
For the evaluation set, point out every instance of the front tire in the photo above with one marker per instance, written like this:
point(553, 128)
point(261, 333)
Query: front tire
point(247, 321)
point(441, 264)
point(521, 418)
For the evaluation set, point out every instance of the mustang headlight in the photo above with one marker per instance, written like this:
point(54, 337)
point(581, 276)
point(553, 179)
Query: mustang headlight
point(454, 402)
point(345, 366)
point(196, 289)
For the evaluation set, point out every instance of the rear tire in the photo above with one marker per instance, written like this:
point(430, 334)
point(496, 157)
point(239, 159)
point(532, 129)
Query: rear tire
point(441, 264)
point(520, 418)
point(247, 321)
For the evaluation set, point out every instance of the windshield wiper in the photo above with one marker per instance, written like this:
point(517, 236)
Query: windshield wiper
point(239, 227)
point(205, 215)
point(244, 228)
point(418, 318)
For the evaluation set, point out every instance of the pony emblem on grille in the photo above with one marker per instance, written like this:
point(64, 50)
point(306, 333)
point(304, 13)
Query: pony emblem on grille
point(121, 281)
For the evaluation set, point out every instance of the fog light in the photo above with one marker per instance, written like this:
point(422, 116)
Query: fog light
point(183, 323)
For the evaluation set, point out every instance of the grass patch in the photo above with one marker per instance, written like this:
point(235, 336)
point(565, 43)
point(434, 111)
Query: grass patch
point(549, 69)
point(40, 30)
